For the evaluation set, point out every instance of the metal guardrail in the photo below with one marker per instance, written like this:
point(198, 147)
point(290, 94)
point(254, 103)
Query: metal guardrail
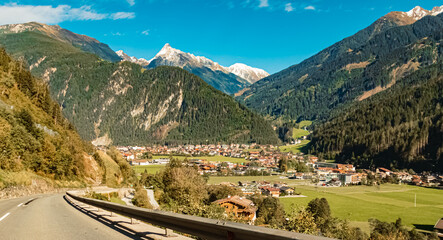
point(205, 228)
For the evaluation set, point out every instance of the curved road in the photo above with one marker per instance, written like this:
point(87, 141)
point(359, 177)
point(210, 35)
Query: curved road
point(51, 217)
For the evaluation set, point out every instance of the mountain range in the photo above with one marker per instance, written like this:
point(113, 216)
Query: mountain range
point(123, 103)
point(350, 70)
point(376, 96)
point(229, 80)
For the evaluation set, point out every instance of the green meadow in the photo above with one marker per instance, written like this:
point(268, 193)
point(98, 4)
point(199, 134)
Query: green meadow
point(298, 133)
point(305, 123)
point(296, 148)
point(358, 204)
point(386, 202)
point(152, 169)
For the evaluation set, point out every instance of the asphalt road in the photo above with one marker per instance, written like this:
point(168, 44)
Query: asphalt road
point(51, 217)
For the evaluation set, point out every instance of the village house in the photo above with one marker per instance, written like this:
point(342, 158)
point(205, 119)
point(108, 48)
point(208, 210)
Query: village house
point(270, 191)
point(383, 172)
point(287, 191)
point(239, 207)
point(438, 227)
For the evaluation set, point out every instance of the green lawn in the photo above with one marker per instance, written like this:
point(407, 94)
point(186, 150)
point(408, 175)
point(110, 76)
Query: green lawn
point(296, 148)
point(209, 158)
point(305, 123)
point(386, 203)
point(298, 133)
point(152, 169)
point(117, 200)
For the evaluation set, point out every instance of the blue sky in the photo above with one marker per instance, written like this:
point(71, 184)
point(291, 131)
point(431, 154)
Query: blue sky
point(269, 34)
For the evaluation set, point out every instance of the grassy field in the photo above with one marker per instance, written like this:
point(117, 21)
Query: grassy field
point(303, 124)
point(386, 203)
point(149, 168)
point(302, 147)
point(117, 200)
point(298, 133)
point(209, 158)
point(360, 203)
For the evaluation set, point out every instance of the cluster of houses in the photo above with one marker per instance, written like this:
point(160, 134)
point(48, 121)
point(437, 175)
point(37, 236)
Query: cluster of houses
point(265, 159)
point(263, 187)
point(227, 150)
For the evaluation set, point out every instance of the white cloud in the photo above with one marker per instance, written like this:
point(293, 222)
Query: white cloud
point(263, 3)
point(288, 7)
point(146, 32)
point(131, 2)
point(116, 34)
point(123, 15)
point(13, 13)
point(310, 7)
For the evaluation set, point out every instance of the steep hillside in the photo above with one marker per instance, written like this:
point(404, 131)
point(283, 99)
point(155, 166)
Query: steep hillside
point(124, 103)
point(353, 69)
point(83, 42)
point(34, 136)
point(401, 127)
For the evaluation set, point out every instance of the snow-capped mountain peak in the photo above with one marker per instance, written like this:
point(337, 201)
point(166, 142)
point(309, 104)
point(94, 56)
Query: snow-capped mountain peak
point(418, 12)
point(167, 50)
point(126, 57)
point(251, 74)
point(170, 56)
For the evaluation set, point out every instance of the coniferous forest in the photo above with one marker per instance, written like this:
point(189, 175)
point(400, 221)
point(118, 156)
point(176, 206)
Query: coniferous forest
point(399, 128)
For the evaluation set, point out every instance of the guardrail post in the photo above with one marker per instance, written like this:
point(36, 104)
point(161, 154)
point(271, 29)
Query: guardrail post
point(168, 232)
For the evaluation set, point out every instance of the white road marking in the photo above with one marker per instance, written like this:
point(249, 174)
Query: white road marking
point(19, 204)
point(4, 216)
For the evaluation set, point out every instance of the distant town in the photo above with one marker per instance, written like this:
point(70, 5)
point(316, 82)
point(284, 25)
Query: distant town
point(265, 160)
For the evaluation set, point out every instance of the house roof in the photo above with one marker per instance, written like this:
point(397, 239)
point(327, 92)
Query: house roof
point(286, 188)
point(439, 224)
point(384, 169)
point(246, 203)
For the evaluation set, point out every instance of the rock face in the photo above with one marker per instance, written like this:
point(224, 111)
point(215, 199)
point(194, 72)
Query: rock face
point(125, 57)
point(126, 104)
point(356, 68)
point(251, 74)
point(226, 79)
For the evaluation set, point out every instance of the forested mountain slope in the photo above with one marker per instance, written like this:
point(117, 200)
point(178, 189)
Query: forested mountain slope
point(401, 127)
point(351, 70)
point(123, 103)
point(34, 135)
point(83, 42)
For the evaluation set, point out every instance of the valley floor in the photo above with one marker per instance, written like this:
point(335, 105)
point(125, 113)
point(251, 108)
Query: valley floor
point(360, 203)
